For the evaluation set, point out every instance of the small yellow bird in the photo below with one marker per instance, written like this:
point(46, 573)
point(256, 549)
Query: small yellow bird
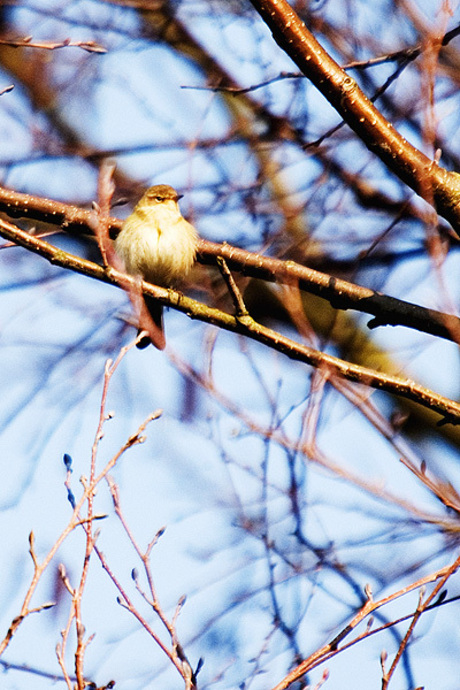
point(158, 244)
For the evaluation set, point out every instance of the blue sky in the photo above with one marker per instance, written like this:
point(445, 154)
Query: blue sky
point(217, 468)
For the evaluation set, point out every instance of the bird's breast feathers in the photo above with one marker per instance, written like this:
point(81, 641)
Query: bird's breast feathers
point(159, 246)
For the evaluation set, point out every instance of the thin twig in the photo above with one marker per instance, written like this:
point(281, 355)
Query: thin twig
point(27, 42)
point(232, 287)
point(332, 648)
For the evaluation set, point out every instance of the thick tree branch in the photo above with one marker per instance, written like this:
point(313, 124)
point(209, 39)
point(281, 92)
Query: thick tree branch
point(340, 293)
point(243, 324)
point(70, 218)
point(433, 183)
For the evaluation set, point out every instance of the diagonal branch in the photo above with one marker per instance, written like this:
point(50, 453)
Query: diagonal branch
point(330, 649)
point(340, 293)
point(245, 325)
point(433, 183)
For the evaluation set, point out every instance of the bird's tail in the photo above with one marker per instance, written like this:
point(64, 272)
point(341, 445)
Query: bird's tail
point(152, 322)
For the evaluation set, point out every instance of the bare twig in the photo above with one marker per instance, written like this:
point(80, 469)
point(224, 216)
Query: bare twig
point(236, 295)
point(402, 56)
point(27, 42)
point(105, 190)
point(332, 648)
point(422, 606)
point(176, 653)
point(87, 523)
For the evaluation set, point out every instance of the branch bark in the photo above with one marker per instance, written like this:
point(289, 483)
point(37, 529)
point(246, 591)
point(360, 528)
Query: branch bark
point(245, 325)
point(341, 294)
point(433, 183)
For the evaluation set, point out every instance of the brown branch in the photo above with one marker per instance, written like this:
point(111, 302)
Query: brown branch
point(433, 183)
point(245, 325)
point(332, 648)
point(39, 569)
point(232, 287)
point(106, 188)
point(443, 490)
point(26, 42)
point(70, 218)
point(340, 293)
point(422, 606)
point(86, 523)
point(176, 653)
point(125, 601)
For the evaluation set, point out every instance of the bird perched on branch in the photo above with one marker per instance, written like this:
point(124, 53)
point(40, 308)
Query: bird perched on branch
point(158, 244)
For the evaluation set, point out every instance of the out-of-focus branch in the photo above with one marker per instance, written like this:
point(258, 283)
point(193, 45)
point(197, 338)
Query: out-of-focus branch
point(332, 648)
point(309, 449)
point(27, 42)
point(433, 183)
point(162, 23)
point(29, 68)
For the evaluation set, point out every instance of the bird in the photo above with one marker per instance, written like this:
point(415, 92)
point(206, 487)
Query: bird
point(158, 244)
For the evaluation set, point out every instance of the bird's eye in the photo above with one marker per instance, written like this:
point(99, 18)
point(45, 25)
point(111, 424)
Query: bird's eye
point(158, 198)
